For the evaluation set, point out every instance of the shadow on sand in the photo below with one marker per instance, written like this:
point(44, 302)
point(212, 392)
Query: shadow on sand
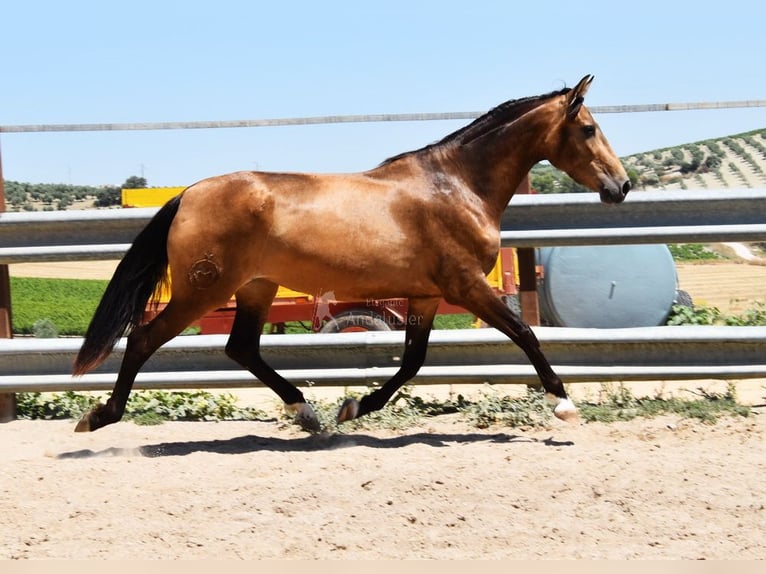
point(324, 441)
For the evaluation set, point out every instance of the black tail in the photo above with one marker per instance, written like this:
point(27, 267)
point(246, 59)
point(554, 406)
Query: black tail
point(134, 282)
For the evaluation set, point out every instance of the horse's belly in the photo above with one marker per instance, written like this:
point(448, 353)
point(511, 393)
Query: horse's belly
point(348, 278)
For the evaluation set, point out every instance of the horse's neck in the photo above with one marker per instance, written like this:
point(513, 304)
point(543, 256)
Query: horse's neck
point(495, 164)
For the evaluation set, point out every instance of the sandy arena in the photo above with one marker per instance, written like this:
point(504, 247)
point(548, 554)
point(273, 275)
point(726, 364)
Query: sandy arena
point(664, 488)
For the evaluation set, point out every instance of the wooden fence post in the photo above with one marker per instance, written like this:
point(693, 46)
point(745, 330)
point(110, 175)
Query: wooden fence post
point(530, 308)
point(7, 400)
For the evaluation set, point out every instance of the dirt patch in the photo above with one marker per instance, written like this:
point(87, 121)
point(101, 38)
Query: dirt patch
point(65, 269)
point(732, 287)
point(660, 488)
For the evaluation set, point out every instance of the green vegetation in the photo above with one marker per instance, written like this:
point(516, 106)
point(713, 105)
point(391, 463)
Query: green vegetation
point(45, 329)
point(49, 196)
point(738, 173)
point(25, 196)
point(702, 315)
point(756, 143)
point(491, 408)
point(544, 178)
point(457, 321)
point(620, 404)
point(144, 407)
point(488, 409)
point(67, 304)
point(692, 252)
point(755, 316)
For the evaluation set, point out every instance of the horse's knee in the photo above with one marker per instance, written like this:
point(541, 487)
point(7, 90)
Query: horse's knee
point(239, 351)
point(234, 352)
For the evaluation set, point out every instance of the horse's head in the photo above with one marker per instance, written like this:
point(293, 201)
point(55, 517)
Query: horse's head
point(580, 148)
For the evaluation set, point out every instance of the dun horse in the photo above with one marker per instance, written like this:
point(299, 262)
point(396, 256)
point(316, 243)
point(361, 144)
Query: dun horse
point(422, 225)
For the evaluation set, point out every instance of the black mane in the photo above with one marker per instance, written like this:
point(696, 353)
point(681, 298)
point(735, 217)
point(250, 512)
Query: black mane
point(498, 116)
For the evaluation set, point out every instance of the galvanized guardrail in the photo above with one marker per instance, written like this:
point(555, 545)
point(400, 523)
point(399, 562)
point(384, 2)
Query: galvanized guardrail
point(529, 221)
point(459, 356)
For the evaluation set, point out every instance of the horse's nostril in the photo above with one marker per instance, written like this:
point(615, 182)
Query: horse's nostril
point(626, 187)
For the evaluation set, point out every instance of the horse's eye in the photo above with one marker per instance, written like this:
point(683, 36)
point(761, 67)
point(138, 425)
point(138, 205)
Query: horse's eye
point(589, 131)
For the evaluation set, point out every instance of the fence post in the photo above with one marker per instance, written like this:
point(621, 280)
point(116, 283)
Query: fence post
point(7, 400)
point(530, 308)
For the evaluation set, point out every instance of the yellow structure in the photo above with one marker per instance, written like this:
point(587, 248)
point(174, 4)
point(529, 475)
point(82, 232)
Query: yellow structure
point(149, 196)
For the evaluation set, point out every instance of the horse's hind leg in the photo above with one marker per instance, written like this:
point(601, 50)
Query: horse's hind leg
point(420, 318)
point(143, 341)
point(253, 302)
point(486, 305)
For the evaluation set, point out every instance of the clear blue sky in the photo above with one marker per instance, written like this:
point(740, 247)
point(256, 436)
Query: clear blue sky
point(145, 61)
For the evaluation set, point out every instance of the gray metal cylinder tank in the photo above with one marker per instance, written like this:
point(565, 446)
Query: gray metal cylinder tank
point(606, 286)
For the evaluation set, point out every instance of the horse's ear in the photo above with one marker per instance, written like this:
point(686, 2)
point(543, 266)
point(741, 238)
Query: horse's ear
point(577, 96)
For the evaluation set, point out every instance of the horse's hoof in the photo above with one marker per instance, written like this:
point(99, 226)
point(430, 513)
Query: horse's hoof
point(348, 410)
point(83, 425)
point(305, 417)
point(567, 411)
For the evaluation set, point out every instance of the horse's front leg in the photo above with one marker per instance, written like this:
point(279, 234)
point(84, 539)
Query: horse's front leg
point(481, 300)
point(420, 318)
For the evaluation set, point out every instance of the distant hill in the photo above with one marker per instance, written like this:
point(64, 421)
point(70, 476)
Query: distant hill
point(737, 161)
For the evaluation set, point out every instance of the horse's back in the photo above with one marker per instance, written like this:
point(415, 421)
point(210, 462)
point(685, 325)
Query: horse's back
point(290, 228)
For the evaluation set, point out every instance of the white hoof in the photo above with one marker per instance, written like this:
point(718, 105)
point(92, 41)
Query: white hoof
point(305, 417)
point(566, 411)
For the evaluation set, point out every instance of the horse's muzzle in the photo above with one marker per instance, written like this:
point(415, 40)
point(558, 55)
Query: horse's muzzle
point(614, 193)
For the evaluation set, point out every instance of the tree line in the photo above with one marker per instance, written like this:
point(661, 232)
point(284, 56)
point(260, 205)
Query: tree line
point(21, 196)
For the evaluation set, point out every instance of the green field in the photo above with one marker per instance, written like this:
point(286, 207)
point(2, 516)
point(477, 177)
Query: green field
point(67, 303)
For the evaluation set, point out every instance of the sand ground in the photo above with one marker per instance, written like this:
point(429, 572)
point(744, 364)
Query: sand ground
point(665, 488)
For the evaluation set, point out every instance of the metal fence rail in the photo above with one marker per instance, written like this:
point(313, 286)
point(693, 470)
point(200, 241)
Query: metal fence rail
point(354, 118)
point(460, 356)
point(529, 221)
